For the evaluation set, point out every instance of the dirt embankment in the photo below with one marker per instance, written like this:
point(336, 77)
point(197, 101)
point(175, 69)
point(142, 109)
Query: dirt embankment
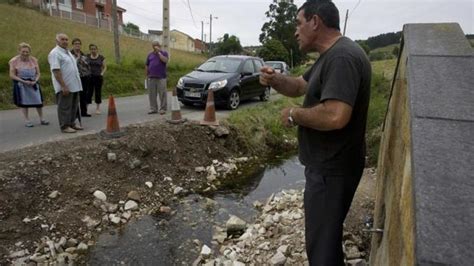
point(48, 208)
point(47, 191)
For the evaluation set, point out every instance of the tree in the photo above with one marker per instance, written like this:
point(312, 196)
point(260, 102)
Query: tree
point(282, 27)
point(131, 28)
point(228, 45)
point(363, 45)
point(395, 50)
point(273, 50)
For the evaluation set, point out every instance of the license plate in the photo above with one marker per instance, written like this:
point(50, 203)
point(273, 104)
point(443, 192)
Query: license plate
point(192, 94)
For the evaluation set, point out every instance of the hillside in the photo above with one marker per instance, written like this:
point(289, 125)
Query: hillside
point(26, 25)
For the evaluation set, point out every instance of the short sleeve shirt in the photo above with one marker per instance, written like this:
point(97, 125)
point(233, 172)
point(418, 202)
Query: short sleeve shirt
point(156, 67)
point(62, 59)
point(342, 73)
point(18, 64)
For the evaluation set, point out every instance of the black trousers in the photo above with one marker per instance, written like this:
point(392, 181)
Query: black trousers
point(327, 199)
point(83, 95)
point(95, 86)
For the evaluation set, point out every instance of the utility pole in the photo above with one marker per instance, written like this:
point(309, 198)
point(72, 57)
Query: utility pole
point(166, 25)
point(116, 33)
point(210, 34)
point(202, 31)
point(345, 22)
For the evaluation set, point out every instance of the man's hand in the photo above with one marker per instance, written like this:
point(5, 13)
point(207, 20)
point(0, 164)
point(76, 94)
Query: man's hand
point(267, 74)
point(65, 91)
point(285, 114)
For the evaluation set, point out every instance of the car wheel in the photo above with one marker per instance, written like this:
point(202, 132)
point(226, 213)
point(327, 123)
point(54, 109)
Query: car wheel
point(266, 95)
point(234, 100)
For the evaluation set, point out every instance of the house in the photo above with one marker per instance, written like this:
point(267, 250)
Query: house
point(99, 9)
point(156, 35)
point(199, 46)
point(181, 41)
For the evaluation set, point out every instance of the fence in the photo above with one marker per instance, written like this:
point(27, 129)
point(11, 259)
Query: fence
point(90, 20)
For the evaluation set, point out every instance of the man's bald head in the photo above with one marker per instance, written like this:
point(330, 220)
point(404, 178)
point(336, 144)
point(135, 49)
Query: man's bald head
point(62, 40)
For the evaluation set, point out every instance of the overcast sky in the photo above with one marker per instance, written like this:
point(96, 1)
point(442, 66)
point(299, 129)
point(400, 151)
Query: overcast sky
point(244, 18)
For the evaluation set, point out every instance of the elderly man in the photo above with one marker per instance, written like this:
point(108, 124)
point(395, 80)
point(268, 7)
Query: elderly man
point(66, 83)
point(155, 71)
point(331, 125)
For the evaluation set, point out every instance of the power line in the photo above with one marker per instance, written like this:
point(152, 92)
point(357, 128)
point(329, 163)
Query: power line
point(354, 8)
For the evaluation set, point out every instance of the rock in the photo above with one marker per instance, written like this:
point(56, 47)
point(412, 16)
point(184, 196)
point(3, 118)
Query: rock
point(205, 251)
point(167, 178)
point(114, 219)
point(165, 209)
point(53, 194)
point(126, 215)
point(65, 258)
point(38, 258)
point(52, 248)
point(178, 190)
point(90, 223)
point(211, 177)
point(257, 204)
point(149, 184)
point(268, 221)
point(284, 249)
point(71, 250)
point(111, 208)
point(353, 253)
point(62, 242)
point(356, 262)
point(241, 159)
point(100, 195)
point(71, 242)
point(235, 224)
point(82, 248)
point(237, 263)
point(135, 163)
point(200, 169)
point(278, 259)
point(134, 195)
point(111, 157)
point(221, 131)
point(18, 254)
point(131, 205)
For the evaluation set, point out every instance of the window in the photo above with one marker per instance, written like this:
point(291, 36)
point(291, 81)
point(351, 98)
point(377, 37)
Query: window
point(80, 4)
point(248, 67)
point(258, 65)
point(62, 1)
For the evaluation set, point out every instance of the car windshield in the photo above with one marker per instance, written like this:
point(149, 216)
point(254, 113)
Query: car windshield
point(225, 65)
point(274, 65)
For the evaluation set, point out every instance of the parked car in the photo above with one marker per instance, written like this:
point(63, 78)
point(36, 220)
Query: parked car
point(279, 66)
point(233, 78)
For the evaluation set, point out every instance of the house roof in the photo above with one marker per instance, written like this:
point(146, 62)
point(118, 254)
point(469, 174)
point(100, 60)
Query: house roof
point(441, 96)
point(155, 32)
point(183, 34)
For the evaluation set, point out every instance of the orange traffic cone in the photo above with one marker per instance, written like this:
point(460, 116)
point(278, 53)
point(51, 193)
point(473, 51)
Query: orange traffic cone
point(176, 117)
point(210, 112)
point(113, 128)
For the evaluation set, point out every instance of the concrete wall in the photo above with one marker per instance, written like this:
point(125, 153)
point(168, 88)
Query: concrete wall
point(394, 197)
point(181, 41)
point(425, 182)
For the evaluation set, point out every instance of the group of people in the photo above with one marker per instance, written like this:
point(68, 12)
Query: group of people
point(331, 122)
point(76, 78)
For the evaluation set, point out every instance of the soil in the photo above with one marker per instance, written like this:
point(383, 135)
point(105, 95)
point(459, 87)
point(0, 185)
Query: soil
point(166, 155)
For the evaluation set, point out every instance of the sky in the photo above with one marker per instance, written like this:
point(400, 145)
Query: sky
point(244, 18)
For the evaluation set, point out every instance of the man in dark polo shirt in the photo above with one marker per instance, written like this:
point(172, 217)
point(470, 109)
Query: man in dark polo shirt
point(155, 70)
point(331, 125)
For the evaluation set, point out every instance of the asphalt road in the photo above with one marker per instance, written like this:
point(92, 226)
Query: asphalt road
point(130, 110)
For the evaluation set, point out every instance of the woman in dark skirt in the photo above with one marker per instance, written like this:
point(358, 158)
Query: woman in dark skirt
point(98, 67)
point(25, 73)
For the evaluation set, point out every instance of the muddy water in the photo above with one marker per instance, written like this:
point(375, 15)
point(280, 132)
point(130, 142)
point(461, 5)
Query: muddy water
point(176, 239)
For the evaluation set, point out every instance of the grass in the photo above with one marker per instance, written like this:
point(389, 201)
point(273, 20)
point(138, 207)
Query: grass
point(39, 31)
point(260, 127)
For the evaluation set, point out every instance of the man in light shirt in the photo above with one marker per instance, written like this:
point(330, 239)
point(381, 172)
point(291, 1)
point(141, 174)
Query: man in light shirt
point(66, 83)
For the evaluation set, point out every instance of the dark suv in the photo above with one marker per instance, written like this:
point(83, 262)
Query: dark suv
point(232, 78)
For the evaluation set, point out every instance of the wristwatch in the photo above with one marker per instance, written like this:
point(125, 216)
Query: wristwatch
point(291, 121)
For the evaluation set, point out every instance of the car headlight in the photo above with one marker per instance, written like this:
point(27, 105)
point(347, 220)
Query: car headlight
point(180, 83)
point(218, 84)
